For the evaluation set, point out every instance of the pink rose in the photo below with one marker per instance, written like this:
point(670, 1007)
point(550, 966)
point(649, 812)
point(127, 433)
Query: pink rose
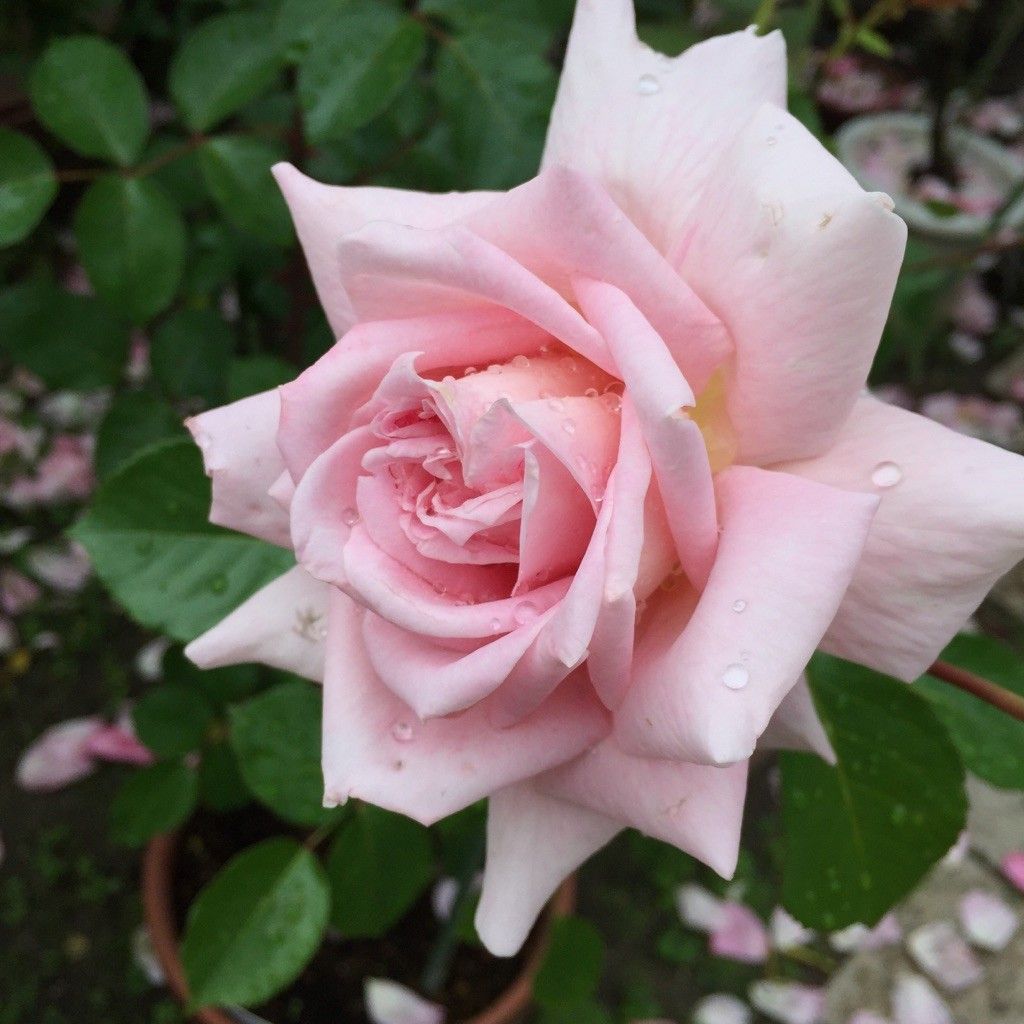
point(590, 474)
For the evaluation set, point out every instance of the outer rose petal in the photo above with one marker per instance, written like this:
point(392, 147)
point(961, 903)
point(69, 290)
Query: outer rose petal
point(796, 726)
point(944, 533)
point(696, 807)
point(534, 841)
point(240, 452)
point(650, 127)
point(785, 558)
point(281, 625)
point(323, 214)
point(800, 264)
point(374, 749)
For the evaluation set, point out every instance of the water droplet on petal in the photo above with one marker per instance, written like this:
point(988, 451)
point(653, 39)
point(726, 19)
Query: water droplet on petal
point(469, 371)
point(886, 474)
point(647, 85)
point(494, 368)
point(520, 362)
point(439, 588)
point(556, 404)
point(442, 452)
point(591, 393)
point(612, 401)
point(739, 606)
point(349, 516)
point(495, 625)
point(219, 583)
point(402, 731)
point(525, 611)
point(736, 676)
point(569, 427)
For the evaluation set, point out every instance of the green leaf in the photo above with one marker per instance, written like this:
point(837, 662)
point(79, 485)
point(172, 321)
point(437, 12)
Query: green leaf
point(152, 800)
point(27, 185)
point(256, 925)
point(236, 170)
point(36, 321)
point(149, 540)
point(379, 865)
point(89, 95)
point(572, 967)
point(577, 1013)
point(990, 741)
point(873, 42)
point(191, 352)
point(861, 835)
point(355, 67)
point(226, 62)
point(221, 786)
point(496, 91)
point(220, 685)
point(172, 720)
point(249, 375)
point(276, 738)
point(135, 420)
point(131, 241)
point(552, 14)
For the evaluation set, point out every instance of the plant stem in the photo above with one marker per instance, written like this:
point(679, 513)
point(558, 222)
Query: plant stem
point(1004, 700)
point(439, 963)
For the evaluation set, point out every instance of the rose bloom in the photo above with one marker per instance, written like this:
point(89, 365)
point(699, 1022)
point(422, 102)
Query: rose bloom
point(591, 472)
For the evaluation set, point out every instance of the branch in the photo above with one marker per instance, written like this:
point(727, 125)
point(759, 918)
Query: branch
point(1005, 700)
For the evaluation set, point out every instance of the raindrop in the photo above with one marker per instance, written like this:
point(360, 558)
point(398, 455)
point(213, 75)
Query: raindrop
point(469, 371)
point(525, 611)
point(647, 85)
point(612, 401)
point(771, 140)
point(350, 517)
point(495, 625)
point(442, 452)
point(219, 583)
point(886, 474)
point(494, 368)
point(439, 588)
point(556, 404)
point(520, 362)
point(736, 676)
point(898, 814)
point(739, 606)
point(569, 427)
point(591, 393)
point(402, 731)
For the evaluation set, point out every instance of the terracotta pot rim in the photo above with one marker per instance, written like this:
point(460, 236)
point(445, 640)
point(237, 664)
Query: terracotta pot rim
point(158, 914)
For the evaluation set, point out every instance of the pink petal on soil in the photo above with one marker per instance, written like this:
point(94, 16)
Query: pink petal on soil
point(988, 922)
point(387, 1002)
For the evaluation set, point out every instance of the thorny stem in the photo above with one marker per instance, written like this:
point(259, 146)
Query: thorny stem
point(1004, 700)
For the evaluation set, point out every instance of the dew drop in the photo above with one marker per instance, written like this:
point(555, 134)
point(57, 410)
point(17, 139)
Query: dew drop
point(886, 474)
point(591, 393)
point(556, 404)
point(349, 516)
point(569, 426)
point(525, 611)
point(219, 583)
point(442, 452)
point(739, 606)
point(494, 368)
point(402, 731)
point(736, 676)
point(439, 588)
point(771, 140)
point(612, 401)
point(647, 85)
point(898, 814)
point(469, 371)
point(495, 625)
point(520, 362)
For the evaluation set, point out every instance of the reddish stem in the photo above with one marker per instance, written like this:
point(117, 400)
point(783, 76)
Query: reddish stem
point(1005, 700)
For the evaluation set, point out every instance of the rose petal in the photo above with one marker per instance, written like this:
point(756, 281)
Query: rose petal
point(323, 214)
point(707, 693)
point(281, 625)
point(534, 841)
point(914, 1001)
point(739, 935)
point(387, 1002)
point(787, 932)
point(988, 922)
point(722, 1008)
point(939, 951)
point(374, 748)
point(647, 126)
point(1013, 868)
point(239, 446)
point(800, 265)
point(698, 908)
point(59, 756)
point(788, 1002)
point(950, 523)
point(796, 726)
